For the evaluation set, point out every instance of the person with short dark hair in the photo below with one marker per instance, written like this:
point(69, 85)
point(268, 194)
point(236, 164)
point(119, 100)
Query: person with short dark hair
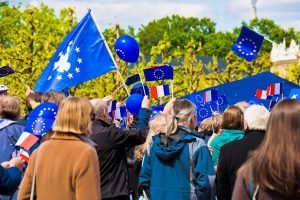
point(232, 126)
point(273, 170)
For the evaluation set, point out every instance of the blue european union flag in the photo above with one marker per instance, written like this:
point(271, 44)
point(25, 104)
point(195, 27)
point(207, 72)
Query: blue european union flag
point(83, 55)
point(220, 104)
point(255, 101)
point(248, 44)
point(159, 73)
point(204, 112)
point(295, 94)
point(132, 79)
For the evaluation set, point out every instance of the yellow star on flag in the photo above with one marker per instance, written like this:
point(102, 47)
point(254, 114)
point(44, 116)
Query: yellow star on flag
point(77, 49)
point(294, 96)
point(77, 70)
point(70, 75)
point(49, 77)
point(59, 77)
point(79, 60)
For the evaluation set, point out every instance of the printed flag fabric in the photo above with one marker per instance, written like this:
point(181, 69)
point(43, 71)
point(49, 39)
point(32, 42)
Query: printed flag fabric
point(6, 70)
point(111, 108)
point(262, 94)
point(160, 91)
point(248, 44)
point(255, 101)
point(295, 94)
point(159, 73)
point(274, 89)
point(203, 112)
point(132, 79)
point(24, 155)
point(120, 112)
point(27, 140)
point(210, 95)
point(83, 55)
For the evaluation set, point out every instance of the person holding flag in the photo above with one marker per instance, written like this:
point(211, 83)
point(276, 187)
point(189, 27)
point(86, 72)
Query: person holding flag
point(66, 166)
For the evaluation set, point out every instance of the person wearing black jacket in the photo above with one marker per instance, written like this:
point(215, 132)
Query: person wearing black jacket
point(234, 154)
point(111, 143)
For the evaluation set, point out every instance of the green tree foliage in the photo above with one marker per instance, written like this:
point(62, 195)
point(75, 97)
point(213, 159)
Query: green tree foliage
point(28, 39)
point(30, 36)
point(179, 29)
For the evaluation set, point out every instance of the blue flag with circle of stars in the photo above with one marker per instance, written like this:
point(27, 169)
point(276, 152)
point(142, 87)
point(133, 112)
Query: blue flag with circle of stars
point(204, 112)
point(248, 44)
point(159, 73)
point(83, 55)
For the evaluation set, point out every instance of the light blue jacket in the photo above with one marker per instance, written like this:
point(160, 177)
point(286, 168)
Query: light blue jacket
point(182, 170)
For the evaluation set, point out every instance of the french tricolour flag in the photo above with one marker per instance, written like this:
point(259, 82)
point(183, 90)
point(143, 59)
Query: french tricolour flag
point(120, 112)
point(262, 94)
point(24, 155)
point(274, 89)
point(160, 91)
point(210, 95)
point(26, 140)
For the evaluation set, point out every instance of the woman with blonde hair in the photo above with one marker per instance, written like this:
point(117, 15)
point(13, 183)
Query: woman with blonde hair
point(178, 165)
point(273, 170)
point(66, 166)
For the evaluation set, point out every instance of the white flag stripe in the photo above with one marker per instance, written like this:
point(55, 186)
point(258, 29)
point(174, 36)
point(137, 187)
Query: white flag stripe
point(118, 113)
point(264, 94)
point(277, 88)
point(208, 96)
point(22, 138)
point(160, 91)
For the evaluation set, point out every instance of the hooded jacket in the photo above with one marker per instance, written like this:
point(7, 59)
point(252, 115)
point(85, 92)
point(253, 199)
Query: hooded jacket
point(178, 166)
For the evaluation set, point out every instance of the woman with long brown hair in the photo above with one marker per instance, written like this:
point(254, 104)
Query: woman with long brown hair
point(273, 170)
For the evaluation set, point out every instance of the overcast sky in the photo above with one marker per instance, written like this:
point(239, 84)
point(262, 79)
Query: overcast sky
point(227, 13)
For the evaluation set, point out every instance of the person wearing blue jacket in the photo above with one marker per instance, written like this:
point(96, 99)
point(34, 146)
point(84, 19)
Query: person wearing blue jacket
point(11, 177)
point(178, 164)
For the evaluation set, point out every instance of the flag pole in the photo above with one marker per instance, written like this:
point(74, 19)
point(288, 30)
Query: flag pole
point(109, 51)
point(172, 87)
point(116, 89)
point(136, 65)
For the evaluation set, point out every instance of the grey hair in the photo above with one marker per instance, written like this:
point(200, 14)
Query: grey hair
point(98, 105)
point(256, 117)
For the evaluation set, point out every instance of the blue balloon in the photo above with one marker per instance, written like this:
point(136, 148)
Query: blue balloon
point(134, 103)
point(127, 48)
point(138, 89)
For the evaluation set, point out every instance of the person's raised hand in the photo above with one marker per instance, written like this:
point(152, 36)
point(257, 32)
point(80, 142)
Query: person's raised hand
point(107, 99)
point(146, 103)
point(17, 162)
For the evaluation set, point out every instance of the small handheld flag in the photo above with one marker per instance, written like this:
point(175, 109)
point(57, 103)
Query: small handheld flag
point(262, 94)
point(132, 79)
point(27, 140)
point(111, 108)
point(83, 55)
point(159, 73)
point(6, 70)
point(120, 112)
point(248, 44)
point(160, 91)
point(210, 95)
point(274, 89)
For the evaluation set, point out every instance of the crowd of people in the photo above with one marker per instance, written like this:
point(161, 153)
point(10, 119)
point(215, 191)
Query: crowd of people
point(246, 152)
